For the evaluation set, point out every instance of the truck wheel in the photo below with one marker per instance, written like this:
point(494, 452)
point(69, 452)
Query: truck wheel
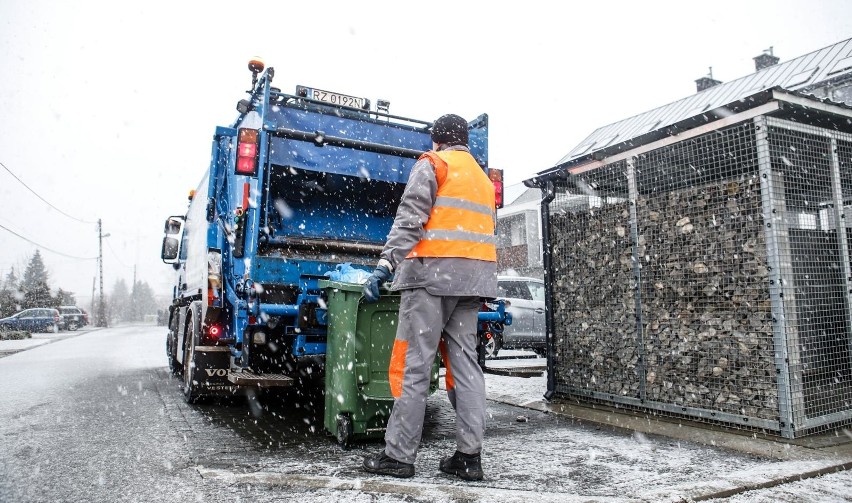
point(344, 431)
point(174, 366)
point(72, 326)
point(171, 348)
point(190, 386)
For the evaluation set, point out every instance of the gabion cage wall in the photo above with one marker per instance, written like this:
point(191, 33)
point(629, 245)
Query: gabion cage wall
point(710, 279)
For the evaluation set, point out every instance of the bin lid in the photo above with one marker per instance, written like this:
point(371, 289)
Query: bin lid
point(351, 287)
point(341, 285)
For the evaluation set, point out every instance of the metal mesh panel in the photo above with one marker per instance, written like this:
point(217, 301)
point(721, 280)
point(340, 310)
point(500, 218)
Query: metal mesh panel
point(593, 289)
point(705, 298)
point(814, 270)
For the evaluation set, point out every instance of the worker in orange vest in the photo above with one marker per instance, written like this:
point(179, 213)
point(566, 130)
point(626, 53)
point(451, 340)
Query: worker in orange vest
point(442, 256)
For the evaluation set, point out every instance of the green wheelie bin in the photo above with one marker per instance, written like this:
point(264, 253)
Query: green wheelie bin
point(358, 398)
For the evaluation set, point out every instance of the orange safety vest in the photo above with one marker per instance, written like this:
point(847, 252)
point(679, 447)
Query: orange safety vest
point(461, 223)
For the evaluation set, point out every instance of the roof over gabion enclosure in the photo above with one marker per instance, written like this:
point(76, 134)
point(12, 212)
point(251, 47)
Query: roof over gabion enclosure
point(801, 75)
point(776, 102)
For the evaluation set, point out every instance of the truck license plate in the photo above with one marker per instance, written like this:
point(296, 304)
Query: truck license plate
point(338, 99)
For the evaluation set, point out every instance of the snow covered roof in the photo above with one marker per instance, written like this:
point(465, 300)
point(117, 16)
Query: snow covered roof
point(519, 194)
point(833, 63)
point(794, 106)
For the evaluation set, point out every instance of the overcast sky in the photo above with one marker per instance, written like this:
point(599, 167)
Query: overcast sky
point(108, 108)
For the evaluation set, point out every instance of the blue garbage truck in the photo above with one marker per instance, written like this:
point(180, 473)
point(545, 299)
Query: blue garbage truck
point(300, 186)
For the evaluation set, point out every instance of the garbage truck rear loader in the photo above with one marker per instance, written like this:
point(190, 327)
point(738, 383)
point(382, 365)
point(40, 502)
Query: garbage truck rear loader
point(297, 186)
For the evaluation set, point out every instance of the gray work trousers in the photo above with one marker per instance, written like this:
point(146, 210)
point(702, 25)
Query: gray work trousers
point(425, 321)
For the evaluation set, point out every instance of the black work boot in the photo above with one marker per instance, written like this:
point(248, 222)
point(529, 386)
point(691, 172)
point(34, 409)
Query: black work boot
point(386, 465)
point(465, 466)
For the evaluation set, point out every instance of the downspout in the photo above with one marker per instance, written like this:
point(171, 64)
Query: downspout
point(549, 193)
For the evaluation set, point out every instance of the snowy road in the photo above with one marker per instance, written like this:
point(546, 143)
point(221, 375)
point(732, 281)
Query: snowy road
point(97, 417)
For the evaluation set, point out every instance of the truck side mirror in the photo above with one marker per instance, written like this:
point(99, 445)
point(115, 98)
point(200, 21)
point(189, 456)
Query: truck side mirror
point(172, 240)
point(171, 248)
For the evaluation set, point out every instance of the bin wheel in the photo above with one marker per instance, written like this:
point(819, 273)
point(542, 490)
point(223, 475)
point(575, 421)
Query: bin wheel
point(493, 346)
point(344, 430)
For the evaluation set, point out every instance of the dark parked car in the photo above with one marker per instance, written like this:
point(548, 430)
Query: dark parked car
point(525, 301)
point(34, 320)
point(74, 317)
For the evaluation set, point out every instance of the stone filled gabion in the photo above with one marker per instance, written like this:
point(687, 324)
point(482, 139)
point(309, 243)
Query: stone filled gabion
point(594, 300)
point(705, 308)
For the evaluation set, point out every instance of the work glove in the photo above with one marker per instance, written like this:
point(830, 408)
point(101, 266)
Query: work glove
point(375, 281)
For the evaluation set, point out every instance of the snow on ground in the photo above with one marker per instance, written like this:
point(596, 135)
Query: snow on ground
point(663, 469)
point(523, 390)
point(529, 454)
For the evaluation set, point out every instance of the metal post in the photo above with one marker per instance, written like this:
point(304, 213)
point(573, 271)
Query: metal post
point(101, 317)
point(776, 278)
point(633, 198)
point(548, 193)
point(842, 234)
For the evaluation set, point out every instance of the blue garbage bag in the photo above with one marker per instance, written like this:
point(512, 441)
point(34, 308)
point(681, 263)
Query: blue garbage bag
point(345, 273)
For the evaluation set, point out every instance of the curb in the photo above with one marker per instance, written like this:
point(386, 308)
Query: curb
point(11, 351)
point(515, 371)
point(618, 420)
point(459, 491)
point(727, 493)
point(33, 343)
point(43, 341)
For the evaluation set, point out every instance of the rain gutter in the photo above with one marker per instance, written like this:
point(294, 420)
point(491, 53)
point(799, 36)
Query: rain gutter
point(547, 253)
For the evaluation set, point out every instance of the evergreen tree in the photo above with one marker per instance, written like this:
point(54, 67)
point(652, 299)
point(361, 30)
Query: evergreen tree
point(142, 301)
point(34, 285)
point(64, 298)
point(119, 302)
point(11, 281)
point(10, 295)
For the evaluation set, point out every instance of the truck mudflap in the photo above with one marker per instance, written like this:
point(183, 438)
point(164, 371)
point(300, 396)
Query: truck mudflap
point(211, 369)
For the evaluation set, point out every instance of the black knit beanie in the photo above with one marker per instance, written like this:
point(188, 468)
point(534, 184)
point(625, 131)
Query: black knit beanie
point(450, 129)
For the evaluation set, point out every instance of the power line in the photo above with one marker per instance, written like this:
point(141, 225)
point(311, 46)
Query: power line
point(43, 199)
point(46, 248)
point(115, 255)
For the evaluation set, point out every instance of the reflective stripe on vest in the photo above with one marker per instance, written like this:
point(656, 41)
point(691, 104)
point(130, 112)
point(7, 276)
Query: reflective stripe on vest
point(461, 223)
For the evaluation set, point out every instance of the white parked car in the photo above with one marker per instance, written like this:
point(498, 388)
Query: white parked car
point(525, 301)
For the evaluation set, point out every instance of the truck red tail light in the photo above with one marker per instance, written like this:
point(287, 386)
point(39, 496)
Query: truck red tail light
point(496, 177)
point(212, 334)
point(247, 152)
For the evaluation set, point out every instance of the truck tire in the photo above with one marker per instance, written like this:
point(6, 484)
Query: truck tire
point(73, 325)
point(171, 347)
point(191, 387)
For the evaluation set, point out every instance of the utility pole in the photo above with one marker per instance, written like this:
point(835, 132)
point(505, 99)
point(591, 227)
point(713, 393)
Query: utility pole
point(101, 317)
